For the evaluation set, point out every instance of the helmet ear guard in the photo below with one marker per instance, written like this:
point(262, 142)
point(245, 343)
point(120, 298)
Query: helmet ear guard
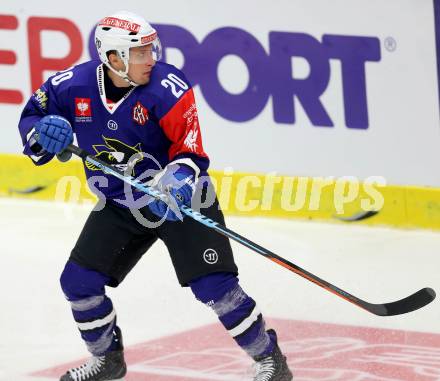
point(122, 31)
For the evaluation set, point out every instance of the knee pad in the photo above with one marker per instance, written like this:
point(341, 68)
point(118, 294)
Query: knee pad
point(212, 287)
point(79, 283)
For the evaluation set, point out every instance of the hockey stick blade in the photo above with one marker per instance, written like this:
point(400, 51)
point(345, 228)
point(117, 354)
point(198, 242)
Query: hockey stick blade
point(411, 303)
point(408, 304)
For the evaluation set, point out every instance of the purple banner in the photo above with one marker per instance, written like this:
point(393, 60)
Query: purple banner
point(270, 72)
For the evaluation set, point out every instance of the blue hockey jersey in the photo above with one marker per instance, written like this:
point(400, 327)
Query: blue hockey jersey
point(158, 119)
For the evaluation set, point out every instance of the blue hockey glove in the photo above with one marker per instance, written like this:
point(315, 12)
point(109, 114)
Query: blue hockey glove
point(178, 182)
point(54, 133)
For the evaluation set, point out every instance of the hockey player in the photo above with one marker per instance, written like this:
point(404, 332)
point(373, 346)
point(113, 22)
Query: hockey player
point(130, 103)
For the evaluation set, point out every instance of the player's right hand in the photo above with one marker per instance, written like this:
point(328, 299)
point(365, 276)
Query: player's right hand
point(54, 133)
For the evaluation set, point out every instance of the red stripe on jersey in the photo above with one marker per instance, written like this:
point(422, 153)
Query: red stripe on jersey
point(181, 126)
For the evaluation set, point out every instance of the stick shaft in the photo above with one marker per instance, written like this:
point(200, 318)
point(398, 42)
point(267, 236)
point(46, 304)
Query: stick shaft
point(408, 304)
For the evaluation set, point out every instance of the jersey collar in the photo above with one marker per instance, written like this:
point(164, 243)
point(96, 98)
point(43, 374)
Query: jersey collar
point(101, 88)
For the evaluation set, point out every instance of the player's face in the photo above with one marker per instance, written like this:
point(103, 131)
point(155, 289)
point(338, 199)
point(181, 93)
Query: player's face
point(141, 64)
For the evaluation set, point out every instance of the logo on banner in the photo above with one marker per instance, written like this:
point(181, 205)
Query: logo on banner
point(83, 110)
point(140, 114)
point(286, 81)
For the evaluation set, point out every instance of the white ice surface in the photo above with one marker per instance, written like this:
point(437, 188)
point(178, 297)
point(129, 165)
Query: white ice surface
point(37, 331)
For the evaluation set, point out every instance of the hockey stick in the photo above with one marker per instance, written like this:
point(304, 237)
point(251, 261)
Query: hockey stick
point(411, 303)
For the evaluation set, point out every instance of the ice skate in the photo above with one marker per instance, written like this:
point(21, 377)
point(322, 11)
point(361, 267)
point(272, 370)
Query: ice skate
point(272, 367)
point(108, 367)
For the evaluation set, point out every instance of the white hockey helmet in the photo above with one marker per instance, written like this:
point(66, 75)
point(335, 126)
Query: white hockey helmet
point(121, 31)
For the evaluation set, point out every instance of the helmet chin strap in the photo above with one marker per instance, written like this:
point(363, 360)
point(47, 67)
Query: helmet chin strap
point(122, 74)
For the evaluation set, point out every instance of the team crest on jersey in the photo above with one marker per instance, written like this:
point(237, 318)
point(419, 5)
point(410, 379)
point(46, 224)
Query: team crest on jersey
point(83, 110)
point(140, 114)
point(118, 154)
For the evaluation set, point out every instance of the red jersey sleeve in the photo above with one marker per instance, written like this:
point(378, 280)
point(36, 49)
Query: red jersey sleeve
point(181, 126)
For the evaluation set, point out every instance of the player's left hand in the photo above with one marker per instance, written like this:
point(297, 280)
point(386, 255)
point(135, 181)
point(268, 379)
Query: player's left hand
point(178, 182)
